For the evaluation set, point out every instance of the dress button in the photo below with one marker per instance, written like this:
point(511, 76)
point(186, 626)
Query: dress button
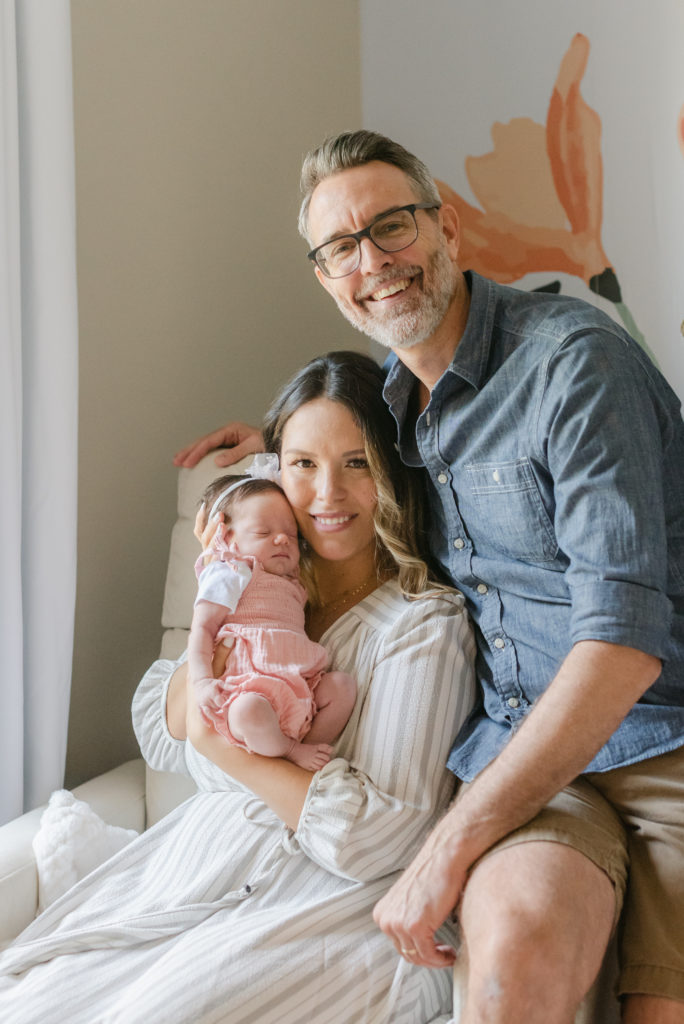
point(513, 702)
point(482, 588)
point(499, 643)
point(442, 478)
point(459, 543)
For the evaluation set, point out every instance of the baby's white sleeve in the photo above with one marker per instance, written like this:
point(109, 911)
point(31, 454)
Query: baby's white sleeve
point(223, 583)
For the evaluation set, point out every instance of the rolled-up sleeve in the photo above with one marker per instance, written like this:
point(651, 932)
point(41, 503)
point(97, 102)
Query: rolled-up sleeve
point(604, 432)
point(366, 816)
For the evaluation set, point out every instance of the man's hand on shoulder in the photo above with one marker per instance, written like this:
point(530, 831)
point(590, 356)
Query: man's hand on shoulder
point(236, 440)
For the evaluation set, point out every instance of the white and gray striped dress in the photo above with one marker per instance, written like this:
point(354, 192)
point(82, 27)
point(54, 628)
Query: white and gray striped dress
point(220, 913)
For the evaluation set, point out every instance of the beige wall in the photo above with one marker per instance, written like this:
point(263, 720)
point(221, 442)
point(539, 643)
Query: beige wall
point(195, 299)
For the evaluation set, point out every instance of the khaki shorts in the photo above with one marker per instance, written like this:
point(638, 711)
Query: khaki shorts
point(630, 822)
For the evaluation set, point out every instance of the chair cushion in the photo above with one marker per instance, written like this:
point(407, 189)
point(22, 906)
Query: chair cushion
point(166, 790)
point(181, 584)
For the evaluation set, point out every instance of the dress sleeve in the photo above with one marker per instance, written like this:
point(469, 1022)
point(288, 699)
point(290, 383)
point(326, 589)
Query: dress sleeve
point(367, 815)
point(157, 745)
point(223, 583)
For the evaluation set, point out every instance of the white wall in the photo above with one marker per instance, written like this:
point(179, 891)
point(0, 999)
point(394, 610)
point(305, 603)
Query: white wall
point(438, 83)
point(195, 296)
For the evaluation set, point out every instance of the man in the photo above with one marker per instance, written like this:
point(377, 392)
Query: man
point(555, 455)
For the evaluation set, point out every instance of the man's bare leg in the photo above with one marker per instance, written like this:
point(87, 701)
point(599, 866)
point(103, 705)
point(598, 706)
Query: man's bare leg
point(536, 920)
point(652, 1010)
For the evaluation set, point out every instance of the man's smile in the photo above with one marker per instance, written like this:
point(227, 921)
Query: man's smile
point(386, 287)
point(391, 289)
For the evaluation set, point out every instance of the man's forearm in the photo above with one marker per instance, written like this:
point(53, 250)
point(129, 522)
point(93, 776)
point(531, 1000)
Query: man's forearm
point(595, 688)
point(593, 691)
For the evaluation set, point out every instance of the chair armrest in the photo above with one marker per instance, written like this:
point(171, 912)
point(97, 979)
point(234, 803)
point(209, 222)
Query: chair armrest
point(118, 796)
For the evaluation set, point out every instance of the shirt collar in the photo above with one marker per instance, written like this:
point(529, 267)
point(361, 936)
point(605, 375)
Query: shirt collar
point(471, 358)
point(472, 354)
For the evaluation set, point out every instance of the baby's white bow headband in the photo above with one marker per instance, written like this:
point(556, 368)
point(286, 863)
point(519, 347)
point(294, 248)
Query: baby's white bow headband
point(265, 466)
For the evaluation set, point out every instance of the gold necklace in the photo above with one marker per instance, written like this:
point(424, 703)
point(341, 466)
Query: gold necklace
point(330, 606)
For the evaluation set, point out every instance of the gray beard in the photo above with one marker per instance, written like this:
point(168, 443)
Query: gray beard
point(410, 327)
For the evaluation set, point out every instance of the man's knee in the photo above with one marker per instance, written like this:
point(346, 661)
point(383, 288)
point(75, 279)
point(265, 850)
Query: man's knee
point(520, 937)
point(518, 971)
point(527, 944)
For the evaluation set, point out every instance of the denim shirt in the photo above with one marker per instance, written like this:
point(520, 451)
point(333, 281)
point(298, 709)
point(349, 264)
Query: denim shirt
point(555, 455)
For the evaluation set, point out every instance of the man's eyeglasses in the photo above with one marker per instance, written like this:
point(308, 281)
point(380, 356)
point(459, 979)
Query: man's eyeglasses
point(390, 232)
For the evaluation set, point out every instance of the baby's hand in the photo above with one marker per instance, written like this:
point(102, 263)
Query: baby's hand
point(220, 659)
point(204, 691)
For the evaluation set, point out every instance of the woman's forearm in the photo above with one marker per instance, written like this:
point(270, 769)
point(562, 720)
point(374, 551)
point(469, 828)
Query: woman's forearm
point(282, 786)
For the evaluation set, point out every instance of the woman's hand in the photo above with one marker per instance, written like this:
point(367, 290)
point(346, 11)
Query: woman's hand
point(236, 439)
point(205, 534)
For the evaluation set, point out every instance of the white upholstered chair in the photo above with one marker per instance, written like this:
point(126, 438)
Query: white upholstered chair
point(131, 795)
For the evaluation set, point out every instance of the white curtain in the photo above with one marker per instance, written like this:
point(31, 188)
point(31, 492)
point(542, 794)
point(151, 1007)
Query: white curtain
point(38, 398)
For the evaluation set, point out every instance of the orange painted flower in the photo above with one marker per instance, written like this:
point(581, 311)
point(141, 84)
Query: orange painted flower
point(540, 192)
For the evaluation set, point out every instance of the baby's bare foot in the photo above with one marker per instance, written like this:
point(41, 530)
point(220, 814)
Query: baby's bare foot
point(312, 756)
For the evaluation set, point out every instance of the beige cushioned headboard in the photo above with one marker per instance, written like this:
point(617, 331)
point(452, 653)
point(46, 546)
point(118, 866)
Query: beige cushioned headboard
point(165, 790)
point(181, 583)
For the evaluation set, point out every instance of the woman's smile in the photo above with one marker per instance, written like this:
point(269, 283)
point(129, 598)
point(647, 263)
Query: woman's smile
point(327, 521)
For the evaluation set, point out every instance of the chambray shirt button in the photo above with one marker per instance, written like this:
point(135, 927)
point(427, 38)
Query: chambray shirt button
point(482, 588)
point(459, 543)
point(442, 478)
point(499, 643)
point(513, 702)
point(496, 475)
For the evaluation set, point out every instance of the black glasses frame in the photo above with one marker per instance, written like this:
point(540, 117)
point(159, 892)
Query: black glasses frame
point(366, 233)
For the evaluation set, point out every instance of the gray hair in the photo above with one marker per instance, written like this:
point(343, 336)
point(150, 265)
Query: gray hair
point(353, 149)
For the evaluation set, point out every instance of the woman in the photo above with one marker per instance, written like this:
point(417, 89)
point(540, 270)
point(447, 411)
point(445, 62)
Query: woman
point(252, 901)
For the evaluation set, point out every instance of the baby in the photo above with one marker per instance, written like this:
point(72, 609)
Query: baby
point(274, 691)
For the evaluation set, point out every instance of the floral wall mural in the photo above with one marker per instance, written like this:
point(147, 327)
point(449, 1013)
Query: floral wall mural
point(553, 138)
point(541, 195)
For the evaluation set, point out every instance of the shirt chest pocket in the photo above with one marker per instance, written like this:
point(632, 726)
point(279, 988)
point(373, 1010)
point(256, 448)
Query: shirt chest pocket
point(509, 511)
